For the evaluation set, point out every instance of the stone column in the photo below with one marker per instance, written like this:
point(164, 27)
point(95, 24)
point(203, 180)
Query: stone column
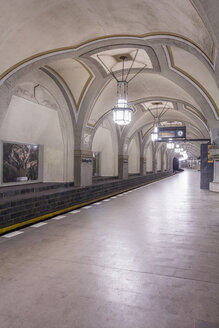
point(142, 166)
point(154, 160)
point(154, 166)
point(170, 163)
point(214, 185)
point(167, 164)
point(83, 166)
point(162, 160)
point(123, 166)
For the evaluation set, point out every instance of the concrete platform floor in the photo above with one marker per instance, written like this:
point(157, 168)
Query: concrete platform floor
point(147, 259)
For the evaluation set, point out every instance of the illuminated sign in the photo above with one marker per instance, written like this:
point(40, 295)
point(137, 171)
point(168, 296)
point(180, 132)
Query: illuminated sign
point(178, 132)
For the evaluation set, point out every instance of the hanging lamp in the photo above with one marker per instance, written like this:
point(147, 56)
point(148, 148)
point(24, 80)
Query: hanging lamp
point(122, 112)
point(157, 117)
point(154, 133)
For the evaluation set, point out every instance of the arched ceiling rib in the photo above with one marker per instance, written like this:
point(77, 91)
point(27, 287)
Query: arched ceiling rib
point(58, 24)
point(69, 25)
point(144, 85)
point(193, 70)
point(75, 75)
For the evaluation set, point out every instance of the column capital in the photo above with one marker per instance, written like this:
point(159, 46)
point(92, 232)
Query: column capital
point(83, 153)
point(125, 157)
point(83, 167)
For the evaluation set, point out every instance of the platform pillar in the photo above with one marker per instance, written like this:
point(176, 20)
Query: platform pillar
point(83, 166)
point(142, 166)
point(214, 185)
point(123, 166)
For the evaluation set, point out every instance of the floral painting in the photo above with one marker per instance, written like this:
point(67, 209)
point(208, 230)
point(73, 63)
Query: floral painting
point(20, 162)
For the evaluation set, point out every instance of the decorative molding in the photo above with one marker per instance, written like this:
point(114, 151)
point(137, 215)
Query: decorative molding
point(57, 51)
point(93, 125)
point(196, 114)
point(97, 98)
point(83, 153)
point(76, 103)
point(144, 134)
point(190, 78)
point(213, 44)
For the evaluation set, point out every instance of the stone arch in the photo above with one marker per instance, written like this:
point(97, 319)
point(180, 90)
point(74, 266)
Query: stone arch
point(134, 156)
point(105, 142)
point(42, 101)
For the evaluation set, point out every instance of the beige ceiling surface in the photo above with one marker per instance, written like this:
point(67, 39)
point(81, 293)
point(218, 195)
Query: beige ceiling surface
point(157, 105)
point(144, 85)
point(110, 59)
point(29, 27)
point(74, 74)
point(169, 116)
point(193, 67)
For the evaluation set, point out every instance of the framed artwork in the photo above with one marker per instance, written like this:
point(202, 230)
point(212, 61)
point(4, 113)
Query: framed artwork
point(20, 162)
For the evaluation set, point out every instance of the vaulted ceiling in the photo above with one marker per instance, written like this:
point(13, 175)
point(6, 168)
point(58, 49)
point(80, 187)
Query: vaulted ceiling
point(71, 43)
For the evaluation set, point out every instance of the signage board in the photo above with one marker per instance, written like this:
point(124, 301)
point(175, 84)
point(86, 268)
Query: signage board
point(210, 159)
point(178, 132)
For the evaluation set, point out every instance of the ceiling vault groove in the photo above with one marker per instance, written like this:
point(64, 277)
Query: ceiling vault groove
point(83, 91)
point(190, 78)
point(146, 36)
point(87, 54)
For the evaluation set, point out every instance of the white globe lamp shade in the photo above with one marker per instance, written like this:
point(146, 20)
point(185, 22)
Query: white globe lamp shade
point(122, 115)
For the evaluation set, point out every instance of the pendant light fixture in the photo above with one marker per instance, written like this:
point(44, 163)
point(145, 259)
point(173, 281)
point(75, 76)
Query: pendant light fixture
point(157, 116)
point(154, 133)
point(122, 112)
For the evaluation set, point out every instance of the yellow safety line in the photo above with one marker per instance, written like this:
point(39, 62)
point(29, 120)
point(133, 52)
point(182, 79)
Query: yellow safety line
point(68, 209)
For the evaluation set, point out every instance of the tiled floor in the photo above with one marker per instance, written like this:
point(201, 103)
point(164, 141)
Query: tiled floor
point(149, 259)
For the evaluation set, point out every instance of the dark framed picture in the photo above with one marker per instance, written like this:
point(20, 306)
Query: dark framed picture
point(20, 162)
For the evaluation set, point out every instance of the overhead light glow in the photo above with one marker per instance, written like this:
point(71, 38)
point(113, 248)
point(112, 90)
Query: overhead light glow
point(122, 103)
point(184, 156)
point(122, 116)
point(154, 134)
point(170, 145)
point(122, 113)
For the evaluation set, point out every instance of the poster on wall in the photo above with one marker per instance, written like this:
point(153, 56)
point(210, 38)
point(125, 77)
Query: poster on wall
point(210, 159)
point(20, 162)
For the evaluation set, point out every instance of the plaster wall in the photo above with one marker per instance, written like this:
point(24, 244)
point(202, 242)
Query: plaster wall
point(56, 24)
point(134, 156)
point(104, 143)
point(28, 122)
point(53, 165)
